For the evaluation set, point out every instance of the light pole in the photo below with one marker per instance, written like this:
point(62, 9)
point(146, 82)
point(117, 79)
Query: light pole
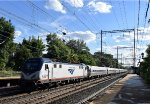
point(117, 56)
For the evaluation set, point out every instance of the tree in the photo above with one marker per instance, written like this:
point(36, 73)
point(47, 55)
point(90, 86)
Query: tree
point(21, 55)
point(35, 45)
point(6, 41)
point(78, 46)
point(72, 57)
point(145, 66)
point(28, 49)
point(82, 51)
point(87, 58)
point(103, 59)
point(56, 48)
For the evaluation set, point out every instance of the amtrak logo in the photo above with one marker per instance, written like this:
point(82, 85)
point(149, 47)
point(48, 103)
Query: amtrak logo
point(71, 70)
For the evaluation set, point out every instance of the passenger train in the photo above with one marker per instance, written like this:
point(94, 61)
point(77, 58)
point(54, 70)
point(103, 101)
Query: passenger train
point(39, 71)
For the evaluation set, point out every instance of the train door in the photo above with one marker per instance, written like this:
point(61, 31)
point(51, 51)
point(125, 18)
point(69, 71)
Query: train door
point(84, 70)
point(88, 71)
point(49, 70)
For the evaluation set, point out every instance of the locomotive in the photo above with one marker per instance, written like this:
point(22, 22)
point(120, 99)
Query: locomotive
point(39, 71)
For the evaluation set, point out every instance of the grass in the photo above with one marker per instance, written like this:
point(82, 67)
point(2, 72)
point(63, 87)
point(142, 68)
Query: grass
point(9, 73)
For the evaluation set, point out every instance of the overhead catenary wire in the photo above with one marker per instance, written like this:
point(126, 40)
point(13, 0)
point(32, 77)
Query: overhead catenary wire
point(22, 19)
point(146, 13)
point(92, 19)
point(138, 19)
point(48, 14)
point(120, 9)
point(10, 38)
point(125, 13)
point(114, 13)
point(74, 14)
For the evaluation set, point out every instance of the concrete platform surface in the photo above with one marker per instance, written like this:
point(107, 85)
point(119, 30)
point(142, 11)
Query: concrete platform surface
point(10, 78)
point(134, 91)
point(130, 90)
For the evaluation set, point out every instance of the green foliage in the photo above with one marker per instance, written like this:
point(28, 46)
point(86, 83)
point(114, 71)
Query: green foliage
point(82, 51)
point(103, 59)
point(36, 46)
point(22, 54)
point(7, 46)
point(78, 46)
point(57, 50)
point(145, 66)
point(9, 72)
point(72, 57)
point(13, 55)
point(87, 58)
point(28, 49)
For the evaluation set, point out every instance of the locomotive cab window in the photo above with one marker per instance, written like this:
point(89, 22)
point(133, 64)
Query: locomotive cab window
point(55, 65)
point(60, 66)
point(46, 66)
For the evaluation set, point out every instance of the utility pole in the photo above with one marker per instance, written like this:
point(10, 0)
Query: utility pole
point(101, 46)
point(118, 31)
point(134, 50)
point(101, 42)
point(121, 59)
point(117, 56)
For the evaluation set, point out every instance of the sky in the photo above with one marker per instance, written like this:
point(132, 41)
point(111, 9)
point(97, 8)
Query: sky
point(84, 20)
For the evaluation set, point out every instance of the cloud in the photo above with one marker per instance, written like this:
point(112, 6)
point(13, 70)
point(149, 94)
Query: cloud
point(100, 7)
point(55, 5)
point(87, 36)
point(17, 33)
point(75, 3)
point(122, 38)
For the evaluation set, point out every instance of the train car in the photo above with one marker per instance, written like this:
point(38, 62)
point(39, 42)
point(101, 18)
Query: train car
point(43, 70)
point(65, 71)
point(97, 71)
point(112, 70)
point(123, 70)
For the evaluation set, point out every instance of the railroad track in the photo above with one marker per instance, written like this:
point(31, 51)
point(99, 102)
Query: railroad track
point(55, 94)
point(8, 91)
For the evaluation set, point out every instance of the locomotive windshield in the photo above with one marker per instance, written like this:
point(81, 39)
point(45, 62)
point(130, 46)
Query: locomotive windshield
point(31, 66)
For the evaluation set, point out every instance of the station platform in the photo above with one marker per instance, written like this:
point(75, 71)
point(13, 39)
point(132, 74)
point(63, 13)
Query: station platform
point(130, 90)
point(9, 78)
point(9, 81)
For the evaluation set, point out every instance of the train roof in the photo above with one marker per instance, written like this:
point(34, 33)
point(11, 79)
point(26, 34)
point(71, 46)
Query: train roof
point(45, 60)
point(68, 63)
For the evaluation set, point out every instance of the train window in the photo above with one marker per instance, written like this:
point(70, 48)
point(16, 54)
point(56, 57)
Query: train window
point(60, 66)
point(55, 65)
point(46, 66)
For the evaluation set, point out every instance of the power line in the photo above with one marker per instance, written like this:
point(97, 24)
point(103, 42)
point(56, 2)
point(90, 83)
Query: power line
point(125, 13)
point(146, 12)
point(94, 24)
point(74, 14)
point(121, 14)
point(114, 13)
point(48, 14)
point(10, 38)
point(22, 19)
point(138, 15)
point(138, 19)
